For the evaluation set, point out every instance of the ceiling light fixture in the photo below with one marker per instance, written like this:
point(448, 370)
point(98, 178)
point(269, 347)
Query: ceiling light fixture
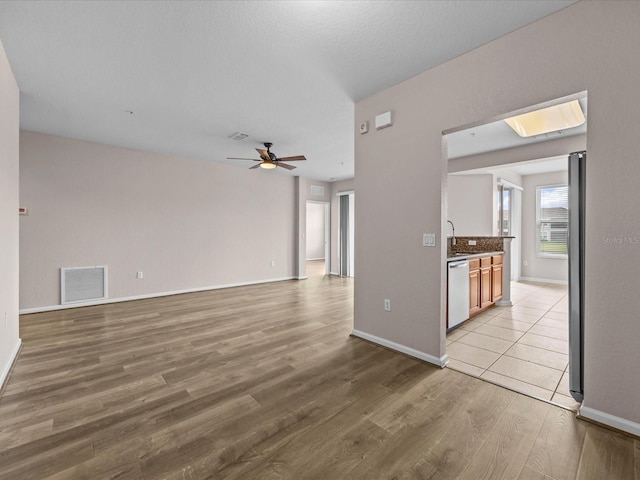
point(550, 119)
point(268, 165)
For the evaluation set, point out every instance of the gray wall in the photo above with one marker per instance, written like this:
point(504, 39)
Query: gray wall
point(186, 224)
point(583, 47)
point(9, 125)
point(539, 268)
point(471, 205)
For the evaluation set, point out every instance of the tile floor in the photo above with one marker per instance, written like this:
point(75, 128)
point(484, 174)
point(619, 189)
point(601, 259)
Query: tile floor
point(523, 347)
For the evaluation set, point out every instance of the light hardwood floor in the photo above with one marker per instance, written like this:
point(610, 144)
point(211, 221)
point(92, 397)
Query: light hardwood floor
point(264, 382)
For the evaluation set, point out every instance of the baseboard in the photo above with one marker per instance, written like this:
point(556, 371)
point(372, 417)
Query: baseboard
point(7, 369)
point(609, 420)
point(153, 295)
point(334, 273)
point(301, 278)
point(544, 280)
point(440, 362)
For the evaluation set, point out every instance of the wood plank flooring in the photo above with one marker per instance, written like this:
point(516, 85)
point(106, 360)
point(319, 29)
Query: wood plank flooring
point(264, 382)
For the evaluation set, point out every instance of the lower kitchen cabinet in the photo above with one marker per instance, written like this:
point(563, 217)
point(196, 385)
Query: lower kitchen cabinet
point(474, 292)
point(485, 282)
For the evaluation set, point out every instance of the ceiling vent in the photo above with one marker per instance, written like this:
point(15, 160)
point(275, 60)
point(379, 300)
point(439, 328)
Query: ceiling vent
point(239, 136)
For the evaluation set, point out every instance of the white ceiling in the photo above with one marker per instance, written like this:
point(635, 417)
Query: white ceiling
point(498, 135)
point(194, 73)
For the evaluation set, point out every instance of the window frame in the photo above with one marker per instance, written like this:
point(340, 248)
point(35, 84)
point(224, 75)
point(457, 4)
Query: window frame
point(539, 252)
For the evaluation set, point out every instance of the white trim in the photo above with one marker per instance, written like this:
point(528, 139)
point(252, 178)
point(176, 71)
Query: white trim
point(440, 362)
point(314, 259)
point(508, 184)
point(334, 273)
point(346, 192)
point(610, 420)
point(154, 295)
point(301, 278)
point(544, 280)
point(504, 303)
point(12, 359)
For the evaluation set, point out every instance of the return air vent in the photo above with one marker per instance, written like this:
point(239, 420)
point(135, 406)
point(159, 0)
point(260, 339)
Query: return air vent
point(83, 284)
point(239, 136)
point(317, 190)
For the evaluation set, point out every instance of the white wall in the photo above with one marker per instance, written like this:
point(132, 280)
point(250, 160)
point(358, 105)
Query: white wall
point(584, 47)
point(315, 231)
point(185, 224)
point(542, 268)
point(9, 245)
point(471, 205)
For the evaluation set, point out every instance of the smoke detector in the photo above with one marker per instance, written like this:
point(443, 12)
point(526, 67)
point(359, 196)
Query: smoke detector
point(239, 136)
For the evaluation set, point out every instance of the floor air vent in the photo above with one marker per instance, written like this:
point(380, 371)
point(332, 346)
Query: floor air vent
point(83, 284)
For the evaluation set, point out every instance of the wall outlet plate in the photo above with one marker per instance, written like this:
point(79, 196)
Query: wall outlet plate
point(472, 242)
point(364, 127)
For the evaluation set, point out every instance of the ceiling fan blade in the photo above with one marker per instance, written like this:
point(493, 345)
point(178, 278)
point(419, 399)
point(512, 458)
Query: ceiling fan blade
point(251, 159)
point(284, 165)
point(256, 165)
point(296, 158)
point(263, 154)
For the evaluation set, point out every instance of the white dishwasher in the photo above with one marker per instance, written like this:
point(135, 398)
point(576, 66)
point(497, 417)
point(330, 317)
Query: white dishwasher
point(458, 293)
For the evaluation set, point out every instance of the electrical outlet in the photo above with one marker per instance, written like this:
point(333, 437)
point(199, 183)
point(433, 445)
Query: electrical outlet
point(472, 242)
point(139, 275)
point(387, 304)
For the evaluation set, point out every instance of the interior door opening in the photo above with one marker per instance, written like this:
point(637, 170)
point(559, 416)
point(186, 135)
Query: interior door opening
point(318, 232)
point(534, 346)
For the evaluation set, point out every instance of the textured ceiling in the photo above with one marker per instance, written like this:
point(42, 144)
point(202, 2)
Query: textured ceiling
point(194, 73)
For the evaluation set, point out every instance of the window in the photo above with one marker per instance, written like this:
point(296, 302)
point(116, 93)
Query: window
point(552, 217)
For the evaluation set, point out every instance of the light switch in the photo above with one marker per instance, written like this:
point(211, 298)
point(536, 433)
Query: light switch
point(428, 239)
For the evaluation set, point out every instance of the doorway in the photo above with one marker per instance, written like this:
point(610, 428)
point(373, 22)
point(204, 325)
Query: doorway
point(346, 253)
point(317, 238)
point(524, 346)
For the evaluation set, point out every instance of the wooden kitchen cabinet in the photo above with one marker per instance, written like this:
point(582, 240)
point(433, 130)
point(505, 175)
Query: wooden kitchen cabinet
point(485, 283)
point(474, 291)
point(496, 278)
point(485, 287)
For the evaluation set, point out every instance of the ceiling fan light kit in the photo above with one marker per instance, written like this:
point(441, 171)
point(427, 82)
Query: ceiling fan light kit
point(269, 160)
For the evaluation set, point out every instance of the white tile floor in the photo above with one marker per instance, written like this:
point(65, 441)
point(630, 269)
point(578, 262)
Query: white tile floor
point(523, 347)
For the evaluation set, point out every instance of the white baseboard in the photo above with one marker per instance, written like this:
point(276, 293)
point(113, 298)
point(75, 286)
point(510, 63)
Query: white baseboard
point(334, 273)
point(610, 420)
point(301, 278)
point(544, 280)
point(153, 295)
point(440, 362)
point(504, 303)
point(7, 367)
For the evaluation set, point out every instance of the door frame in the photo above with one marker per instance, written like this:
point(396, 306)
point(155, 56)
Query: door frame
point(327, 234)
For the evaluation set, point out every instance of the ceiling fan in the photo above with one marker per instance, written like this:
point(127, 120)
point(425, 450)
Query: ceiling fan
point(269, 160)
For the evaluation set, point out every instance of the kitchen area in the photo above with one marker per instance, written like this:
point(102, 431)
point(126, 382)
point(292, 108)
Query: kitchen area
point(513, 334)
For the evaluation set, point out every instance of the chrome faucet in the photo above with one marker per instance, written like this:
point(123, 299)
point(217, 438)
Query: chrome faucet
point(453, 237)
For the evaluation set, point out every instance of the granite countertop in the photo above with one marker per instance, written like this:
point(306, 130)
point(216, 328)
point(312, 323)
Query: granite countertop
point(467, 256)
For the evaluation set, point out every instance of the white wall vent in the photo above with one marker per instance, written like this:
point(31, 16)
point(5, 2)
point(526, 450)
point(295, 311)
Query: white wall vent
point(317, 190)
point(83, 284)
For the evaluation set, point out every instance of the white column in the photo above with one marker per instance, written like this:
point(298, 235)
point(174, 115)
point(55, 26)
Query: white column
point(506, 275)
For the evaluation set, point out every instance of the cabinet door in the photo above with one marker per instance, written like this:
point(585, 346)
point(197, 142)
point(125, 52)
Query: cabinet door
point(485, 287)
point(474, 291)
point(496, 273)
